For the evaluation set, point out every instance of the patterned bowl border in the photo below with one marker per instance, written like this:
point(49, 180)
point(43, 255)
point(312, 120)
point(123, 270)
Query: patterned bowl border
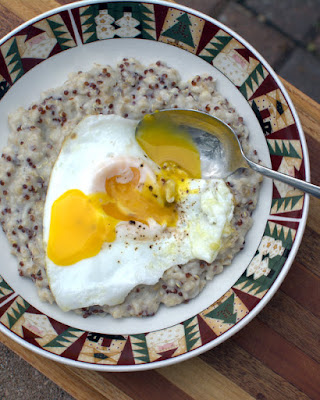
point(88, 21)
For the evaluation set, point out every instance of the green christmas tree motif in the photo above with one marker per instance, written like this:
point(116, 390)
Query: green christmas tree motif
point(225, 311)
point(144, 21)
point(4, 286)
point(90, 26)
point(253, 77)
point(55, 27)
point(286, 201)
point(216, 48)
point(284, 152)
point(62, 340)
point(180, 32)
point(286, 239)
point(191, 337)
point(16, 60)
point(4, 87)
point(16, 311)
point(140, 347)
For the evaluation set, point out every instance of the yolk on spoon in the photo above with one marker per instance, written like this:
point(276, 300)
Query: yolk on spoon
point(165, 142)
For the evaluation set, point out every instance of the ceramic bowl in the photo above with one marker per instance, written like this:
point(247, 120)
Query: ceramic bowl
point(39, 55)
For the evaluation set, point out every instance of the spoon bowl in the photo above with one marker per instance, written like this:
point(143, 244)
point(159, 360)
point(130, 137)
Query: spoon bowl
point(221, 153)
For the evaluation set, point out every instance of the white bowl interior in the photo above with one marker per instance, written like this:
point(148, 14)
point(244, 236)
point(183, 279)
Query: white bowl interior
point(52, 73)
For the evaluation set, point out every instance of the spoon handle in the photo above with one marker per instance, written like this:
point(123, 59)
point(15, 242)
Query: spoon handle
point(297, 183)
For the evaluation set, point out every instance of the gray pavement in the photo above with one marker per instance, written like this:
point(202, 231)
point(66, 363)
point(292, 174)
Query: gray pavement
point(287, 34)
point(20, 381)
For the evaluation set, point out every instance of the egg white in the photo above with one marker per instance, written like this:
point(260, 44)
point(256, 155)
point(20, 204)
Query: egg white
point(100, 144)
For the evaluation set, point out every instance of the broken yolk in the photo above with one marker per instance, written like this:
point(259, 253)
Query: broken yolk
point(78, 228)
point(133, 204)
point(80, 223)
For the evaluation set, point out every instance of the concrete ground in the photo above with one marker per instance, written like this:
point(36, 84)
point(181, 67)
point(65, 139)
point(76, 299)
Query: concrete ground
point(287, 34)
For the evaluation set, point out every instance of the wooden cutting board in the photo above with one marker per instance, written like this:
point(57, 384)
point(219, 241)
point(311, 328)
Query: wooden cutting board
point(276, 356)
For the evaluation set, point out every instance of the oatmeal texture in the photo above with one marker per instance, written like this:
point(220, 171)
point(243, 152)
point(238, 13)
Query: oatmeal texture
point(130, 90)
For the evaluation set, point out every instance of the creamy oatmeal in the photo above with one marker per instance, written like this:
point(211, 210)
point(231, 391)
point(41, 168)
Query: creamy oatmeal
point(130, 90)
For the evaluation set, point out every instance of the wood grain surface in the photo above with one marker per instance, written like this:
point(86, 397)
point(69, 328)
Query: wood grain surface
point(276, 356)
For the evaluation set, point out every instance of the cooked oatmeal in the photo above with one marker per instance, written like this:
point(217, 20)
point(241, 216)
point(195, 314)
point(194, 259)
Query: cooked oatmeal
point(130, 90)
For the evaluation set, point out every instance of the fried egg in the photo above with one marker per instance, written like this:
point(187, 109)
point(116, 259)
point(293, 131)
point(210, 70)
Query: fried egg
point(114, 218)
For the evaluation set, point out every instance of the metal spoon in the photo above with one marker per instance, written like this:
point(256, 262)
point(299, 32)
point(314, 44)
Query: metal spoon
point(220, 150)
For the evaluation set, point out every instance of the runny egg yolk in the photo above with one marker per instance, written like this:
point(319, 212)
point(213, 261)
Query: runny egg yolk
point(78, 228)
point(80, 223)
point(133, 204)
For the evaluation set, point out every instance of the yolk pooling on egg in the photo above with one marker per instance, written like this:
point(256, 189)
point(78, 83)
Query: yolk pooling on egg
point(80, 223)
point(133, 204)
